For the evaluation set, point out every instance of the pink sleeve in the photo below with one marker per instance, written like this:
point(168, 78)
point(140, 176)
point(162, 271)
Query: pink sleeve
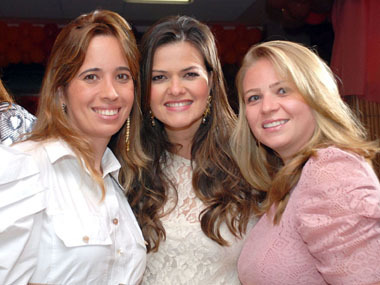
point(338, 214)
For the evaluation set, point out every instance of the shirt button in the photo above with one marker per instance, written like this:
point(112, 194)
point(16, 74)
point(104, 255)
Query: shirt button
point(120, 252)
point(85, 239)
point(115, 221)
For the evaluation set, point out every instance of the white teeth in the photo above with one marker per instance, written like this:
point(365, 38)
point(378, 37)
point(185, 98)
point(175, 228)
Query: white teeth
point(177, 104)
point(274, 124)
point(106, 112)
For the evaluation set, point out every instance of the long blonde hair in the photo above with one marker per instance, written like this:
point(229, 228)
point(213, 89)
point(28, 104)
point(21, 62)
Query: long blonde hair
point(335, 122)
point(4, 95)
point(66, 58)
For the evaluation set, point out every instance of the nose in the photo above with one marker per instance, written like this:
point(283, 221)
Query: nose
point(269, 104)
point(109, 91)
point(176, 86)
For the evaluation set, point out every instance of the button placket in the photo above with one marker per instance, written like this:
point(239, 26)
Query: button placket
point(86, 239)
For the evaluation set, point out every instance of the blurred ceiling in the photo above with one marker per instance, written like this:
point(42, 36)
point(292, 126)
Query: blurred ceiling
point(249, 12)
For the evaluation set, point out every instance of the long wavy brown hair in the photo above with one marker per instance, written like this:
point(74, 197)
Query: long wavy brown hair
point(216, 180)
point(336, 125)
point(66, 58)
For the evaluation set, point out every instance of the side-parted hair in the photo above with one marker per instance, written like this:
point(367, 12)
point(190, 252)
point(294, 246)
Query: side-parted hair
point(335, 122)
point(67, 56)
point(4, 95)
point(216, 179)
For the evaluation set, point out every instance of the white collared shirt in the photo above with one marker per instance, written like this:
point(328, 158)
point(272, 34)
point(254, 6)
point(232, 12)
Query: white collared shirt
point(54, 228)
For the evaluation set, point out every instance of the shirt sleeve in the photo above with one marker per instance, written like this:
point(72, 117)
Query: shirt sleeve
point(338, 214)
point(14, 122)
point(21, 207)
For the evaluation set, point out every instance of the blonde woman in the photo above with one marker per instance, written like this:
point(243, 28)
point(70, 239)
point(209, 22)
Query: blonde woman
point(14, 119)
point(64, 218)
point(297, 141)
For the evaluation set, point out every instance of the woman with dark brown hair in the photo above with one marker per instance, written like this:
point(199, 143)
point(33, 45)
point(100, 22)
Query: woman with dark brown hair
point(193, 205)
point(14, 119)
point(64, 216)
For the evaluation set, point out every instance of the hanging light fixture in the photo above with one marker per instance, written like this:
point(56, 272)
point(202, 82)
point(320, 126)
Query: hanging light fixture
point(160, 1)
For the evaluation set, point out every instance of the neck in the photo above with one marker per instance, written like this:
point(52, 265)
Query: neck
point(184, 139)
point(99, 147)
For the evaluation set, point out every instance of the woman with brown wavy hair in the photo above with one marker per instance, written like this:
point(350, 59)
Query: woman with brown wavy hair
point(300, 143)
point(193, 205)
point(64, 216)
point(14, 119)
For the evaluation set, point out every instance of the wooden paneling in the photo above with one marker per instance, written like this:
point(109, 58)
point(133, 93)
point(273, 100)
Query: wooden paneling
point(369, 114)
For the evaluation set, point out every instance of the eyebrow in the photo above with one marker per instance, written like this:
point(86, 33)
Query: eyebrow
point(182, 70)
point(270, 86)
point(96, 69)
point(276, 83)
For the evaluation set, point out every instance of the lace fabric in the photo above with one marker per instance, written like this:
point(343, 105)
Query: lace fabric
point(329, 232)
point(188, 256)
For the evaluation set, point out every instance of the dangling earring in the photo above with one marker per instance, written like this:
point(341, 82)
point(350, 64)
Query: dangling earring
point(152, 120)
point(64, 108)
point(127, 133)
point(207, 111)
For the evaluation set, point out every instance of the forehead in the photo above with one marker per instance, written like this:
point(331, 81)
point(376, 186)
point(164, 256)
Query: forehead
point(103, 50)
point(260, 72)
point(177, 52)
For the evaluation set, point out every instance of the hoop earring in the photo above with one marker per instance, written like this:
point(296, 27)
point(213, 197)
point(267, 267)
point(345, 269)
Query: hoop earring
point(152, 119)
point(127, 133)
point(207, 112)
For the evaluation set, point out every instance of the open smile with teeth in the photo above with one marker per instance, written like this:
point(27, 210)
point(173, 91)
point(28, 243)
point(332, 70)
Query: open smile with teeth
point(178, 104)
point(107, 112)
point(274, 124)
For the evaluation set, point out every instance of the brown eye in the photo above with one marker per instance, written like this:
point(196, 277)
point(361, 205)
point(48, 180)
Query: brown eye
point(123, 77)
point(158, 77)
point(90, 77)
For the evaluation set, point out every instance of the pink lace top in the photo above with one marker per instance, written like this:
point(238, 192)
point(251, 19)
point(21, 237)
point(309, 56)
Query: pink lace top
point(329, 232)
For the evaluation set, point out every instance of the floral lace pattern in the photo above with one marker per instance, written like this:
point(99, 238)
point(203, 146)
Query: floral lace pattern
point(188, 256)
point(329, 232)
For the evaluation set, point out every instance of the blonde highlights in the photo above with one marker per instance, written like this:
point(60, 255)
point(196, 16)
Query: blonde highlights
point(66, 58)
point(335, 122)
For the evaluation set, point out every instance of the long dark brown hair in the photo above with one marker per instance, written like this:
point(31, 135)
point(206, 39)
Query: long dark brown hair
point(216, 180)
point(67, 56)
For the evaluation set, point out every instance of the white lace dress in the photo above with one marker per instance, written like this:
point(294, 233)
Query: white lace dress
point(188, 256)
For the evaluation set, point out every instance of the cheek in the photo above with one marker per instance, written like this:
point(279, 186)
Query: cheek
point(128, 93)
point(154, 98)
point(251, 116)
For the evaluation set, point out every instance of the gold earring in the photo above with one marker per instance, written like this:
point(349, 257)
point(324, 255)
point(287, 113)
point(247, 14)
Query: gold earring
point(152, 120)
point(64, 108)
point(127, 133)
point(207, 112)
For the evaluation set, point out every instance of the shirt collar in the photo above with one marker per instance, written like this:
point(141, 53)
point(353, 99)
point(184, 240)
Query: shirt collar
point(59, 148)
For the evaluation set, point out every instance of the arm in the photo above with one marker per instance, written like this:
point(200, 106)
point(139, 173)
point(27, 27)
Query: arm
point(21, 206)
point(339, 217)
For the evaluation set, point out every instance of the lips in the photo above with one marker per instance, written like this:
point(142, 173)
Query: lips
point(273, 124)
point(106, 112)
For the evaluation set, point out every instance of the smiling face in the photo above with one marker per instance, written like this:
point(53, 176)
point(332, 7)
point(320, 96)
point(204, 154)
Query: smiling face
point(276, 112)
point(100, 96)
point(179, 88)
